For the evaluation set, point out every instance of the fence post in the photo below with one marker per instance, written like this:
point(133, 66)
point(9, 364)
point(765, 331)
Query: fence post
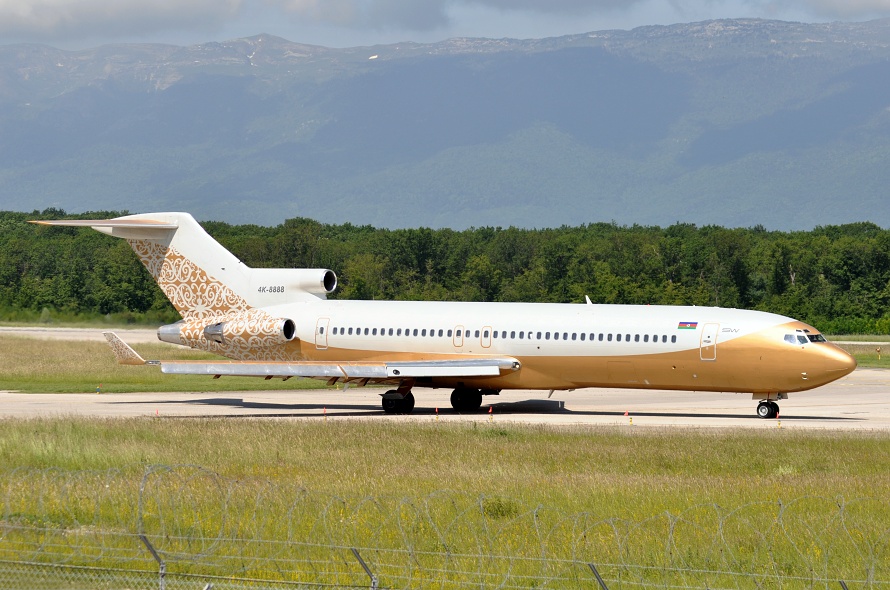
point(598, 577)
point(162, 567)
point(366, 568)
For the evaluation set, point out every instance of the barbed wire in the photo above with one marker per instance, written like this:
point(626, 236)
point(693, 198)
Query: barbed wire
point(256, 531)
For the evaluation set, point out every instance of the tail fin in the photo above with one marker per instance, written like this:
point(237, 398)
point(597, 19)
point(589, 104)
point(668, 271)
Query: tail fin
point(200, 277)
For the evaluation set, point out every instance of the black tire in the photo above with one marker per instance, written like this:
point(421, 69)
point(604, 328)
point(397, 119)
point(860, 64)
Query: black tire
point(775, 409)
point(764, 410)
point(394, 405)
point(407, 403)
point(466, 401)
point(391, 405)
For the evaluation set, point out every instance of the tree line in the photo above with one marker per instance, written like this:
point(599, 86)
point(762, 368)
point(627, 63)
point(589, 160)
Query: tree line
point(834, 277)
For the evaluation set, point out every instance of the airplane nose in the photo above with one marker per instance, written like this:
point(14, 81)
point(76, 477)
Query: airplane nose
point(837, 362)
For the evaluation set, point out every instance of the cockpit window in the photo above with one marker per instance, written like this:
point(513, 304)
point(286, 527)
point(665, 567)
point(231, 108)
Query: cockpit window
point(802, 339)
point(817, 338)
point(789, 338)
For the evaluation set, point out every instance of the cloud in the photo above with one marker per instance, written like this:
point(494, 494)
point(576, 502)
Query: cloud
point(71, 19)
point(425, 15)
point(400, 14)
point(841, 9)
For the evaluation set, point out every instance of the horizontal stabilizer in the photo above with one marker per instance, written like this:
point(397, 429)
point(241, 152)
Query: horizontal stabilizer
point(122, 223)
point(122, 351)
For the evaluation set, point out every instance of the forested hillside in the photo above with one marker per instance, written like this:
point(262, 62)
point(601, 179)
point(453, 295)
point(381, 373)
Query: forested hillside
point(733, 122)
point(835, 277)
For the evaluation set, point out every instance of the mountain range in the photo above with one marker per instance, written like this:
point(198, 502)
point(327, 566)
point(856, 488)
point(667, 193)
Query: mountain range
point(730, 122)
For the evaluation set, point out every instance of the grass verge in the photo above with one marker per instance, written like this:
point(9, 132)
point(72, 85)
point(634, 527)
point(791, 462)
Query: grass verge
point(54, 366)
point(470, 503)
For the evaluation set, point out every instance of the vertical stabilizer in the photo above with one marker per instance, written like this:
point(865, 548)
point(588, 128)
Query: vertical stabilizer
point(202, 279)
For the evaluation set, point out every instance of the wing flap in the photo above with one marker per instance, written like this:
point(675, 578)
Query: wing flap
point(330, 370)
point(473, 367)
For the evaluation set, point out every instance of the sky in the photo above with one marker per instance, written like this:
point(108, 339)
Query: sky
point(82, 24)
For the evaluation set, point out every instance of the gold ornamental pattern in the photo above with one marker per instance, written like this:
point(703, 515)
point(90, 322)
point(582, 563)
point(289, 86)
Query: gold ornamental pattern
point(123, 353)
point(193, 293)
point(251, 335)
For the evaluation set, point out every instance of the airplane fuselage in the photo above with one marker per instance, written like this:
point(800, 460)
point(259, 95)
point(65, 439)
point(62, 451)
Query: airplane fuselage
point(569, 346)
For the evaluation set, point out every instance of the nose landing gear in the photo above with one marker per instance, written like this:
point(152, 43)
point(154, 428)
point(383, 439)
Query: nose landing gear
point(767, 409)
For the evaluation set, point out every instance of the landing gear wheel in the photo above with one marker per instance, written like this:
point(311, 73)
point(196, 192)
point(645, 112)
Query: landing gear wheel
point(408, 403)
point(395, 405)
point(767, 409)
point(466, 401)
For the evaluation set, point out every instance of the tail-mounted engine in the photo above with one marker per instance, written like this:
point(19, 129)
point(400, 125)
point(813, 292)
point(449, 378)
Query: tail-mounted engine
point(243, 331)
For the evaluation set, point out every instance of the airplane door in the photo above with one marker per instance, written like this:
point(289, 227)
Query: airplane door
point(708, 344)
point(486, 337)
point(458, 339)
point(322, 327)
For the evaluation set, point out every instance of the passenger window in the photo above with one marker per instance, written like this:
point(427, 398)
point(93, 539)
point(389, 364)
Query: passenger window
point(582, 336)
point(450, 333)
point(539, 335)
point(575, 336)
point(494, 334)
point(636, 337)
point(600, 338)
point(477, 334)
point(485, 334)
point(366, 331)
point(673, 339)
point(467, 334)
point(546, 335)
point(422, 332)
point(627, 337)
point(415, 331)
point(645, 337)
point(390, 331)
point(521, 335)
point(350, 331)
point(512, 334)
point(609, 338)
point(555, 335)
point(503, 333)
point(618, 337)
point(565, 335)
point(374, 332)
point(664, 338)
point(399, 332)
point(441, 332)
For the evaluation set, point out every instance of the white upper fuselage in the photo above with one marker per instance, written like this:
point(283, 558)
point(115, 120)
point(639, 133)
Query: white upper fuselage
point(564, 346)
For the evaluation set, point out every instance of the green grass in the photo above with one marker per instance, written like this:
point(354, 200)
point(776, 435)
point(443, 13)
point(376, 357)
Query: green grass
point(869, 355)
point(768, 503)
point(53, 366)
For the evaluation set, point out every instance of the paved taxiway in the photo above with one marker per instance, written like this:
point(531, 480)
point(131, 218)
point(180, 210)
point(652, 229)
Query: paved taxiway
point(859, 401)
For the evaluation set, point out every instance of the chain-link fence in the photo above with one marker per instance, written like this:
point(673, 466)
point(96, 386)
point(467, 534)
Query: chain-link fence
point(187, 527)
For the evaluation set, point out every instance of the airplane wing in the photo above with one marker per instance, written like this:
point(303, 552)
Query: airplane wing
point(332, 371)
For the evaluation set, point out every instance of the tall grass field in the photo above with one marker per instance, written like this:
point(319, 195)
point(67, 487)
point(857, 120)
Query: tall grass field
point(795, 506)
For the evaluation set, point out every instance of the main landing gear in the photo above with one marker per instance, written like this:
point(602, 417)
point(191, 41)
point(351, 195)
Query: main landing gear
point(464, 400)
point(398, 403)
point(767, 409)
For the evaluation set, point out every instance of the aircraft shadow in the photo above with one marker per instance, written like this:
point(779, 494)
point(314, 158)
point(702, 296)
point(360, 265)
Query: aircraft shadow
point(530, 406)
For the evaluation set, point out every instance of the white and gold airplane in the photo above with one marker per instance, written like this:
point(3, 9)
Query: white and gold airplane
point(278, 323)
